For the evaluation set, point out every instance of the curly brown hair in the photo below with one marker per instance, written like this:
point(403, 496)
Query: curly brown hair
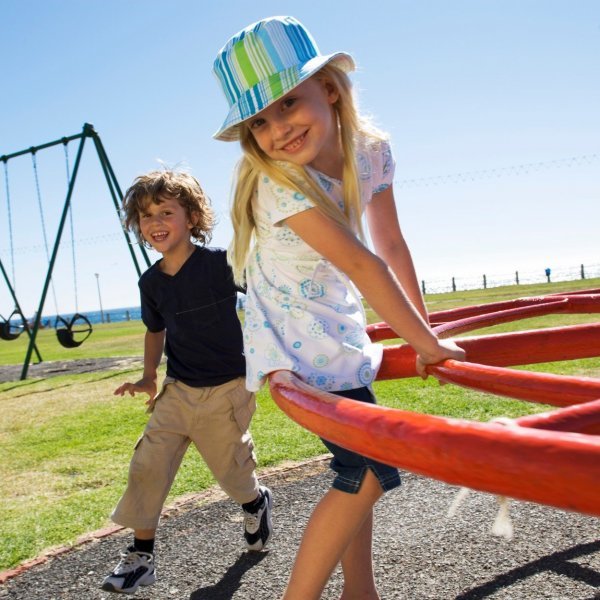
point(183, 187)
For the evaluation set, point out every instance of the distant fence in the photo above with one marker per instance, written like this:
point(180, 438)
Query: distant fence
point(453, 283)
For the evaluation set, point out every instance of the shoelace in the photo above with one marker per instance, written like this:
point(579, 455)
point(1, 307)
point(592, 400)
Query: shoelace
point(127, 559)
point(251, 520)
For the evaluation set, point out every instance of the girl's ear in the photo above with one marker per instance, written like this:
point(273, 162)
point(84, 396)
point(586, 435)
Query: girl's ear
point(331, 90)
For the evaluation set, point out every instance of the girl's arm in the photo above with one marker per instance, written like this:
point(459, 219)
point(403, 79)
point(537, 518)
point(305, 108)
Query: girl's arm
point(390, 245)
point(376, 282)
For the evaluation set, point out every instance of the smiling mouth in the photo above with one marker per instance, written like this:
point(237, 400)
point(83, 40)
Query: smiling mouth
point(159, 236)
point(295, 144)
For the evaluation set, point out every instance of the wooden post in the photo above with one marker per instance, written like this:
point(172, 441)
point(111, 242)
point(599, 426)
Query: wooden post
point(582, 272)
point(484, 282)
point(423, 286)
point(517, 277)
point(453, 285)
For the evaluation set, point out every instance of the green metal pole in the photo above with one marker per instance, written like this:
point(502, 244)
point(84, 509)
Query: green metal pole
point(63, 218)
point(34, 149)
point(18, 308)
point(113, 185)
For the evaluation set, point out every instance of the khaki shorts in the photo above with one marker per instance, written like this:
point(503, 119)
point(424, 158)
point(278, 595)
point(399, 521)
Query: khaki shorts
point(216, 420)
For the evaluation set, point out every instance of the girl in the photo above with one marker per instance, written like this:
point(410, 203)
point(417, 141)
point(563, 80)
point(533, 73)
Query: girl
point(311, 167)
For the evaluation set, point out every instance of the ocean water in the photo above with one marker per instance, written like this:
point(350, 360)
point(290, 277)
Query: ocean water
point(111, 315)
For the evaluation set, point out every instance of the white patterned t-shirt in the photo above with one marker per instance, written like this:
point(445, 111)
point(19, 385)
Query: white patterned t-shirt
point(302, 314)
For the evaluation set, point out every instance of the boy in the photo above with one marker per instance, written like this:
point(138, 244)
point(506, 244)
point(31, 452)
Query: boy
point(188, 302)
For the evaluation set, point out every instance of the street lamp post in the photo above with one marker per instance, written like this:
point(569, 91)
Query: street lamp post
point(99, 296)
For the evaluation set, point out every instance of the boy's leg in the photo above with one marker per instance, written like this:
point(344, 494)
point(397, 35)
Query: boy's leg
point(155, 462)
point(223, 440)
point(221, 436)
point(156, 459)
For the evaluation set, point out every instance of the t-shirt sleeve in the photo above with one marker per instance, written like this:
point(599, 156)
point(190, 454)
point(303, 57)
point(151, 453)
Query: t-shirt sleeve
point(225, 275)
point(151, 318)
point(383, 166)
point(276, 202)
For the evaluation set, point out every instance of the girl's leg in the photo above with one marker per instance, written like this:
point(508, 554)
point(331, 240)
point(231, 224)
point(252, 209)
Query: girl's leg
point(332, 531)
point(357, 565)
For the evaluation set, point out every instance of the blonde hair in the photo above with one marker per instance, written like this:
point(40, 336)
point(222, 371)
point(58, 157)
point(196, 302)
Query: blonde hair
point(154, 186)
point(255, 163)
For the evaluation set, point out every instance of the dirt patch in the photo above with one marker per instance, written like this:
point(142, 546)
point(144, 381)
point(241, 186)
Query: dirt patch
point(70, 367)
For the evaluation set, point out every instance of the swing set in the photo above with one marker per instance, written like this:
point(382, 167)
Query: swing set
point(72, 331)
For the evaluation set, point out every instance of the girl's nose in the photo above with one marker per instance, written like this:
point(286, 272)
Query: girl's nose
point(280, 128)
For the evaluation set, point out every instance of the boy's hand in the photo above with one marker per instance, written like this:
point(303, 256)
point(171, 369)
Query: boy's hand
point(145, 385)
point(446, 349)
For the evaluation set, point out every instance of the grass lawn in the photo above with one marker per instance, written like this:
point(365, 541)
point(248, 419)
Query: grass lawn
point(66, 441)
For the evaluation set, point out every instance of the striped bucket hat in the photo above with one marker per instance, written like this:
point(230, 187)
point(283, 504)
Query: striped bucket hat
point(262, 63)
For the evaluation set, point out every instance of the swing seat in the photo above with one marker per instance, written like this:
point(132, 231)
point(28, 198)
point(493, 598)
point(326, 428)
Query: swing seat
point(8, 331)
point(66, 333)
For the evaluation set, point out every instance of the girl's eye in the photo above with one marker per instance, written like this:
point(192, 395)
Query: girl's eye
point(256, 123)
point(288, 102)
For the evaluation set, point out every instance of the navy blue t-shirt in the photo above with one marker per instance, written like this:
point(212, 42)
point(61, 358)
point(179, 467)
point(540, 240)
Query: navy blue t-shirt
point(197, 307)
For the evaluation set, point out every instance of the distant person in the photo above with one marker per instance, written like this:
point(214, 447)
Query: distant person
point(311, 168)
point(188, 304)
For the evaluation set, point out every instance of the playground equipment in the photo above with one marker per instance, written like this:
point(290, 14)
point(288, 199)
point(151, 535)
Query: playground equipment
point(71, 332)
point(551, 458)
point(66, 332)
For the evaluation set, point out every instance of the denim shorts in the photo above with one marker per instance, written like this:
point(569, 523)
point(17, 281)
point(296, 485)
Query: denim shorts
point(351, 467)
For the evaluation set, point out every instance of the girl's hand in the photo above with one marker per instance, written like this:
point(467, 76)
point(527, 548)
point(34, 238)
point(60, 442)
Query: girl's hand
point(445, 349)
point(144, 385)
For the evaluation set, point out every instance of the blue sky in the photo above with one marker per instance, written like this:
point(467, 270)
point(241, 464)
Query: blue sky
point(492, 108)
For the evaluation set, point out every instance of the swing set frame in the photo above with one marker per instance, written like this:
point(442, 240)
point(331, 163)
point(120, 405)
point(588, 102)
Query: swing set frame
point(88, 131)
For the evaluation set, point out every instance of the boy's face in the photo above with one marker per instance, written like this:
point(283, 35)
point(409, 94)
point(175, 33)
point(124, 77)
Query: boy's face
point(165, 226)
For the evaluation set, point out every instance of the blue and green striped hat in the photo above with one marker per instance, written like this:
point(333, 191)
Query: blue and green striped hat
point(262, 63)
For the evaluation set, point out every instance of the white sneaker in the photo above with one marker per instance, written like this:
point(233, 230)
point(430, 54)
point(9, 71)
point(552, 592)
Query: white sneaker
point(134, 569)
point(258, 525)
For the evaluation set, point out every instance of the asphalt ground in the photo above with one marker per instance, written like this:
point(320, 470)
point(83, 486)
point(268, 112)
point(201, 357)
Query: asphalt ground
point(419, 553)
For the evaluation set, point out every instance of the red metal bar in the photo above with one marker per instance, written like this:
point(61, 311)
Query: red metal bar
point(555, 468)
point(544, 388)
point(506, 349)
point(444, 330)
point(458, 320)
point(551, 458)
point(582, 418)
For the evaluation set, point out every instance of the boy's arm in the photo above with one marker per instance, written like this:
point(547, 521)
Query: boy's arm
point(154, 343)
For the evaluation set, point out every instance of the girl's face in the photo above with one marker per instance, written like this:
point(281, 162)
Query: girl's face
point(165, 226)
point(301, 128)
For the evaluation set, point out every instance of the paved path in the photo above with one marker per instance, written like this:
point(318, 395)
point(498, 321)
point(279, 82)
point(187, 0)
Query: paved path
point(419, 553)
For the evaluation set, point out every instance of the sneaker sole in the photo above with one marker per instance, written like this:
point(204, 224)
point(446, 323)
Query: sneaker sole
point(109, 587)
